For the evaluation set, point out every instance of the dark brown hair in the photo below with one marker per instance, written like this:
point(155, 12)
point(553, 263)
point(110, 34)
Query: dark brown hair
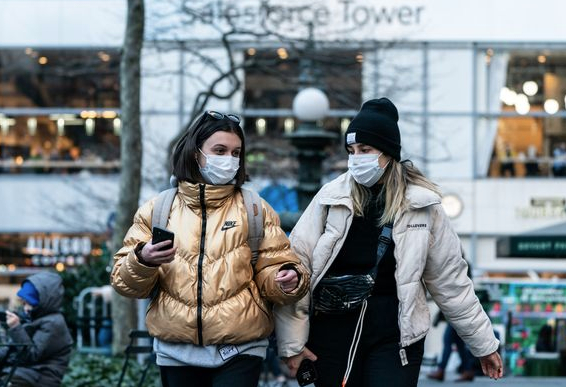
point(184, 157)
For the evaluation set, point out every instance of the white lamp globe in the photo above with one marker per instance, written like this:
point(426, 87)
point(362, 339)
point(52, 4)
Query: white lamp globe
point(310, 104)
point(551, 106)
point(530, 88)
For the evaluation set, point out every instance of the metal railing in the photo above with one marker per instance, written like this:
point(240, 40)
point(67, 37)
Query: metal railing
point(94, 322)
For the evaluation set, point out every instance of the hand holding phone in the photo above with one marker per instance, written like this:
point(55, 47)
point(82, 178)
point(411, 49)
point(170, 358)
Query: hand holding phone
point(161, 235)
point(151, 255)
point(306, 373)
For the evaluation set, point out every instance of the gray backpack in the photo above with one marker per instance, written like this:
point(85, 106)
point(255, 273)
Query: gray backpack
point(252, 201)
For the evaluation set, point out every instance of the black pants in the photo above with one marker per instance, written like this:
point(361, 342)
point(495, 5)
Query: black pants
point(377, 362)
point(17, 382)
point(241, 371)
point(451, 337)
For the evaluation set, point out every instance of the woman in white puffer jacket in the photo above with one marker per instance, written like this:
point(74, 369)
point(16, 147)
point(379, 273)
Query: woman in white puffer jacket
point(380, 341)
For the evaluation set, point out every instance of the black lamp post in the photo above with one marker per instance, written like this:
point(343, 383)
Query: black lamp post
point(310, 139)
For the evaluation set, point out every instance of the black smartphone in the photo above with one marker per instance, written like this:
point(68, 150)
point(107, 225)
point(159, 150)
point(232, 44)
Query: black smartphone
point(2, 316)
point(306, 374)
point(160, 235)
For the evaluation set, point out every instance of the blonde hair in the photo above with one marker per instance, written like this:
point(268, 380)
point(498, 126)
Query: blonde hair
point(396, 179)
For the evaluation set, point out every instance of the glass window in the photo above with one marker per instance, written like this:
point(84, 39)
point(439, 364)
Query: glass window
point(271, 84)
point(59, 78)
point(21, 253)
point(59, 110)
point(60, 143)
point(530, 128)
point(274, 78)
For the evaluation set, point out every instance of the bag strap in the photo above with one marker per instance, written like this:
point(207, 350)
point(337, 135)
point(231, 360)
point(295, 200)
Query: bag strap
point(252, 201)
point(162, 207)
point(383, 243)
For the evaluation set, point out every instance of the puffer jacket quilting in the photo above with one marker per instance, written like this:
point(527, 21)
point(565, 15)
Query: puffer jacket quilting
point(210, 293)
point(428, 257)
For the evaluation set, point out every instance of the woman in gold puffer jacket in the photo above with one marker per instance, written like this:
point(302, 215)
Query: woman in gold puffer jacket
point(212, 312)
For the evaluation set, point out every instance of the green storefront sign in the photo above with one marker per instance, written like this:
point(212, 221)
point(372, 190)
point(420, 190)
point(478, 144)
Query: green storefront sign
point(532, 246)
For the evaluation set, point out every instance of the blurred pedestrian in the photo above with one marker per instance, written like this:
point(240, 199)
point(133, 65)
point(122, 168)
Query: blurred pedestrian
point(377, 239)
point(507, 161)
point(41, 327)
point(559, 163)
point(451, 338)
point(545, 339)
point(211, 308)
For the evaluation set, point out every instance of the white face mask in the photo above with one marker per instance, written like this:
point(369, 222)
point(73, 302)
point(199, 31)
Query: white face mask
point(365, 169)
point(219, 170)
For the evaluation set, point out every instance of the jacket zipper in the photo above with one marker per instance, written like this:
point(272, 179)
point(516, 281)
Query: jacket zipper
point(402, 351)
point(200, 259)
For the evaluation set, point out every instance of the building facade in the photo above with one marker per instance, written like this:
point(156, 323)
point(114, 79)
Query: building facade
point(480, 89)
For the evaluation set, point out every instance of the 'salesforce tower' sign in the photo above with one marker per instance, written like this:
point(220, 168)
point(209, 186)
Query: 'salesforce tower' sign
point(341, 14)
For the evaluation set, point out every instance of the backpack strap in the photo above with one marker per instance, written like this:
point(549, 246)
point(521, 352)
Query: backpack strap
point(162, 207)
point(159, 218)
point(252, 201)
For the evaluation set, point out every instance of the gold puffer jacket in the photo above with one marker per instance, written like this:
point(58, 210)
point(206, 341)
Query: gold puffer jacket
point(210, 293)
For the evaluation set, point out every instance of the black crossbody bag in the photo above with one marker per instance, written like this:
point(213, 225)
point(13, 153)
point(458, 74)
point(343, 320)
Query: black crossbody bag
point(340, 294)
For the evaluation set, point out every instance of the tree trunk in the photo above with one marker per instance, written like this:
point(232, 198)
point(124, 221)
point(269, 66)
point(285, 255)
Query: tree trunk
point(124, 309)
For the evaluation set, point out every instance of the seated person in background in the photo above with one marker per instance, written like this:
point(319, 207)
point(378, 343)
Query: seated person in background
point(531, 162)
point(507, 163)
point(42, 327)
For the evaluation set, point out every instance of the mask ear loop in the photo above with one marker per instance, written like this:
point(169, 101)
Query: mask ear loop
point(205, 156)
point(385, 166)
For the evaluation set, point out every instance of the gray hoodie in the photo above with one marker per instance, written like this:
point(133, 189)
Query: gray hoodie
point(46, 359)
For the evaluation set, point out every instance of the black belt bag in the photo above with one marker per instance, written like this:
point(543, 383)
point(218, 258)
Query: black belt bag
point(343, 293)
point(340, 294)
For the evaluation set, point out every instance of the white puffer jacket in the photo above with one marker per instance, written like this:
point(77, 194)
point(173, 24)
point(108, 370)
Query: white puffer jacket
point(427, 252)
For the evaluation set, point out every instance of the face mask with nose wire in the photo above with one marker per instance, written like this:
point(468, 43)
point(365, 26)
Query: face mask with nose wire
point(365, 169)
point(219, 170)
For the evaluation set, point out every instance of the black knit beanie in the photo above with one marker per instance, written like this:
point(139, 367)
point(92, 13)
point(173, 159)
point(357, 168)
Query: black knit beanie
point(376, 125)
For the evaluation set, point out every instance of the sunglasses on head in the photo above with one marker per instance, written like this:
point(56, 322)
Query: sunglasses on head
point(220, 116)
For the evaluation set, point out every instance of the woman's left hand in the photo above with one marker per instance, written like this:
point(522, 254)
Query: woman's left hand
point(287, 279)
point(12, 319)
point(492, 366)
